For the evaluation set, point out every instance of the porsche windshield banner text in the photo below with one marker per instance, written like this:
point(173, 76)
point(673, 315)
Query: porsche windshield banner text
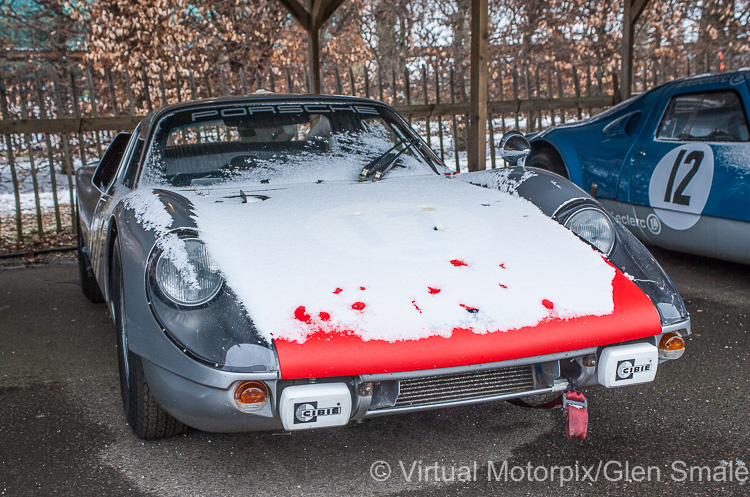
point(251, 110)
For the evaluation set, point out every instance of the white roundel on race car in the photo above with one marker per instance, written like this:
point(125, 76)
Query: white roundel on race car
point(680, 185)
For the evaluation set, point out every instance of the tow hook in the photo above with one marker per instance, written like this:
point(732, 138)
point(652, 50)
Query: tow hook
point(575, 411)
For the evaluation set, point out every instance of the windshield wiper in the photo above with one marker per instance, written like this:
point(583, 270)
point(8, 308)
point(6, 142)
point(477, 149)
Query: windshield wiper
point(378, 167)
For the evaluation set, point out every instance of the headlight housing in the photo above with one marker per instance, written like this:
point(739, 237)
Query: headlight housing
point(185, 272)
point(593, 226)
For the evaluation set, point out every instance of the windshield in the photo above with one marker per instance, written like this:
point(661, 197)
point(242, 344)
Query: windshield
point(281, 143)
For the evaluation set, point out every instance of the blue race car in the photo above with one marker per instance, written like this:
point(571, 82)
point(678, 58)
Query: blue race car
point(672, 164)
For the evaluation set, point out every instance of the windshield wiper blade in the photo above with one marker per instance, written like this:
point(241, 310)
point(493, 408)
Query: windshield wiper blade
point(378, 167)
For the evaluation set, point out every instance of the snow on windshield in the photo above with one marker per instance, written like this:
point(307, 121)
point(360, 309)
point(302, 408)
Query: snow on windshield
point(279, 148)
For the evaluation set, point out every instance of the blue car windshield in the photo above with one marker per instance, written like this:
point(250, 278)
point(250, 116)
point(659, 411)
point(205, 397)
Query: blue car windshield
point(280, 143)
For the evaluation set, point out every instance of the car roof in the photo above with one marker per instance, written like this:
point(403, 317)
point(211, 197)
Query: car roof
point(705, 78)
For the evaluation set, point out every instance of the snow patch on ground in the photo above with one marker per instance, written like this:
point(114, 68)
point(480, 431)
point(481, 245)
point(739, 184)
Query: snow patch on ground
point(399, 259)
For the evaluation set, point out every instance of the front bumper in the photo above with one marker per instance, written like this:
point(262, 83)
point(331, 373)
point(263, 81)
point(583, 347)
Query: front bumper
point(212, 408)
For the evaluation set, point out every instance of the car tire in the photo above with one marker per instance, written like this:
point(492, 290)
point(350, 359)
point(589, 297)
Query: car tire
point(548, 160)
point(144, 415)
point(89, 286)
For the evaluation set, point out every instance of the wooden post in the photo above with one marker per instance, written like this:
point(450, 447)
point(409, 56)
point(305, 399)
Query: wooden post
point(515, 95)
point(632, 10)
point(352, 89)
point(588, 85)
point(560, 91)
point(94, 111)
point(426, 102)
point(243, 81)
point(366, 76)
point(66, 147)
point(380, 82)
point(527, 87)
point(289, 81)
point(223, 78)
point(112, 94)
point(407, 90)
point(32, 164)
point(311, 18)
point(491, 131)
point(271, 80)
point(131, 103)
point(207, 80)
point(501, 91)
point(77, 113)
point(11, 162)
point(577, 87)
point(548, 80)
point(394, 86)
point(177, 84)
point(50, 156)
point(477, 153)
point(146, 92)
point(193, 87)
point(162, 88)
point(439, 117)
point(313, 58)
point(537, 94)
point(337, 76)
point(455, 122)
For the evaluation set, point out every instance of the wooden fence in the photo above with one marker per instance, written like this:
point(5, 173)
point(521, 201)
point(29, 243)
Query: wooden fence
point(52, 123)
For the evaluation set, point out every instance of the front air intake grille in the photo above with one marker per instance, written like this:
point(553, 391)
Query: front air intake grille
point(439, 389)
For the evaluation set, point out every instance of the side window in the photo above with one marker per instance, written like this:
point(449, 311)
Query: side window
point(708, 116)
point(131, 170)
point(109, 163)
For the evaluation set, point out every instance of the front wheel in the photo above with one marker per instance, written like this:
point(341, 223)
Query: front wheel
point(146, 418)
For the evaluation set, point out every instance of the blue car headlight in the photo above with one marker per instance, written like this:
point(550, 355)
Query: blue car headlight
point(593, 226)
point(185, 272)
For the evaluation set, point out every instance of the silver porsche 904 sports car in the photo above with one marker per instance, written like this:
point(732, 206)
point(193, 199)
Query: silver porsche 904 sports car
point(296, 262)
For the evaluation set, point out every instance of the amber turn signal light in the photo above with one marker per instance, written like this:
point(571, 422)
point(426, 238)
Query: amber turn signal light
point(250, 396)
point(671, 346)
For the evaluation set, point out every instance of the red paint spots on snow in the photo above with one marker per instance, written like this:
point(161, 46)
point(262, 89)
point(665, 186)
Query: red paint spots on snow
point(433, 291)
point(324, 316)
point(503, 286)
point(337, 291)
point(458, 263)
point(548, 304)
point(332, 351)
point(414, 303)
point(301, 315)
point(361, 288)
point(468, 308)
point(502, 266)
point(358, 306)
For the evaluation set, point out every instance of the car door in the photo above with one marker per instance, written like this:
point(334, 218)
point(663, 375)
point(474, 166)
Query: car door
point(692, 162)
point(105, 179)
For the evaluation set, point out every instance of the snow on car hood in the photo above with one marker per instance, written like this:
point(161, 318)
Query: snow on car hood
point(399, 259)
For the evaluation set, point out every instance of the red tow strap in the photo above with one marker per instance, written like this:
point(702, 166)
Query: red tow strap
point(575, 412)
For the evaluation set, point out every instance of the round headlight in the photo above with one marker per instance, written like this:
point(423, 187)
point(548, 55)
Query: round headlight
point(593, 226)
point(185, 272)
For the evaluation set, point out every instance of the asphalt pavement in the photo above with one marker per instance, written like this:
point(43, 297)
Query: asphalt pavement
point(62, 431)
